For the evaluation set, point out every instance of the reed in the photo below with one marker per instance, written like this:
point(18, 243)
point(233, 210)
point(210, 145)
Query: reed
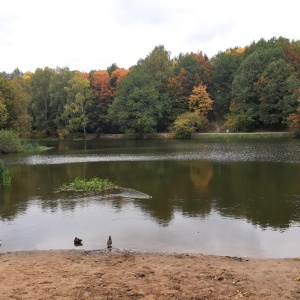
point(33, 147)
point(5, 174)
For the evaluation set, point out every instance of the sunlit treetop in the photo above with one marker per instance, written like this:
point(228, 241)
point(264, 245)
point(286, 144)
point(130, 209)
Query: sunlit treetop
point(27, 75)
point(236, 51)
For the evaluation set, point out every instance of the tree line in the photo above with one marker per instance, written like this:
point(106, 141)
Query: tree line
point(241, 89)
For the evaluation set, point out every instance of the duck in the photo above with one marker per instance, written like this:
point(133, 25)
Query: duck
point(77, 241)
point(109, 242)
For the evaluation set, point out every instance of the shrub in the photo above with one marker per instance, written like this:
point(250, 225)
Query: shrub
point(62, 133)
point(188, 123)
point(9, 142)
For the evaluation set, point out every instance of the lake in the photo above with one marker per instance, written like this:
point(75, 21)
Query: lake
point(237, 197)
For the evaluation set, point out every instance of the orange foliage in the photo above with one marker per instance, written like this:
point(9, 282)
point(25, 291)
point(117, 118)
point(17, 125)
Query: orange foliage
point(240, 51)
point(101, 83)
point(203, 60)
point(294, 121)
point(85, 75)
point(183, 80)
point(292, 55)
point(119, 73)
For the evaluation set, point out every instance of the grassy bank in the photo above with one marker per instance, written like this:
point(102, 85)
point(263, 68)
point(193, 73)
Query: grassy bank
point(242, 135)
point(209, 135)
point(169, 135)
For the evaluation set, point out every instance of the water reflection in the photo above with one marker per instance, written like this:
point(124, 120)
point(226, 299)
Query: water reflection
point(164, 182)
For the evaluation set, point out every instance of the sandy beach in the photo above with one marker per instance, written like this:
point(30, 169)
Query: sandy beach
point(121, 274)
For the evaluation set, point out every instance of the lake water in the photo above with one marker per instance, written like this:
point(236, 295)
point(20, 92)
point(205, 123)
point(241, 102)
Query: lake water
point(223, 197)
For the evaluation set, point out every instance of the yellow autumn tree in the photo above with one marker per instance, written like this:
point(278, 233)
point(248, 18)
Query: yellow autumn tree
point(200, 101)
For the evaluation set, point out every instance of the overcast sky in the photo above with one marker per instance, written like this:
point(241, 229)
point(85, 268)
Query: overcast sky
point(89, 35)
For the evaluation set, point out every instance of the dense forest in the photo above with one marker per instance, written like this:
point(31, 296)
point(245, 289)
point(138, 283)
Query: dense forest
point(241, 89)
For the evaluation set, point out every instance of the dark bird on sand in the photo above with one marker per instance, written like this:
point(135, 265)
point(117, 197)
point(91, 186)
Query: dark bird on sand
point(78, 241)
point(109, 242)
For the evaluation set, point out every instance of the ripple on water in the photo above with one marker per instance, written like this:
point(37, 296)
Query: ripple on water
point(220, 152)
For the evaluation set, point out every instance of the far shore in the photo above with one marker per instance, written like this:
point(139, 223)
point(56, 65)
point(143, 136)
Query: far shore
point(169, 135)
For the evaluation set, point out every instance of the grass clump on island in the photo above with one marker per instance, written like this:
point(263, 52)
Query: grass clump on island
point(83, 185)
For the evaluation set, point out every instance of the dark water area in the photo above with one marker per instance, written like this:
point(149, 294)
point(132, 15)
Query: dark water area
point(222, 197)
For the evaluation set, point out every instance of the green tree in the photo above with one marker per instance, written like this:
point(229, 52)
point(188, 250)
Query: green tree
point(242, 117)
point(178, 100)
point(249, 72)
point(159, 66)
point(197, 70)
point(14, 102)
point(58, 96)
point(6, 101)
point(289, 103)
point(225, 65)
point(136, 108)
point(41, 98)
point(3, 113)
point(244, 94)
point(21, 120)
point(274, 95)
point(78, 97)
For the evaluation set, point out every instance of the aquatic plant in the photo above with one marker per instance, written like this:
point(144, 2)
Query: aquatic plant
point(5, 174)
point(82, 185)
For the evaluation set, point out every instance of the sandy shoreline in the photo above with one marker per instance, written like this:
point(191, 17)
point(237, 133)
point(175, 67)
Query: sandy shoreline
point(120, 274)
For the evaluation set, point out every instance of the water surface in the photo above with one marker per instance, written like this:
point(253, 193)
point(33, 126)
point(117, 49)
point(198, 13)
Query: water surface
point(223, 197)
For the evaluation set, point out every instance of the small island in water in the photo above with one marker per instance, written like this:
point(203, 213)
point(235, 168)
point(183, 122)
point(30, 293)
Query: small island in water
point(83, 185)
